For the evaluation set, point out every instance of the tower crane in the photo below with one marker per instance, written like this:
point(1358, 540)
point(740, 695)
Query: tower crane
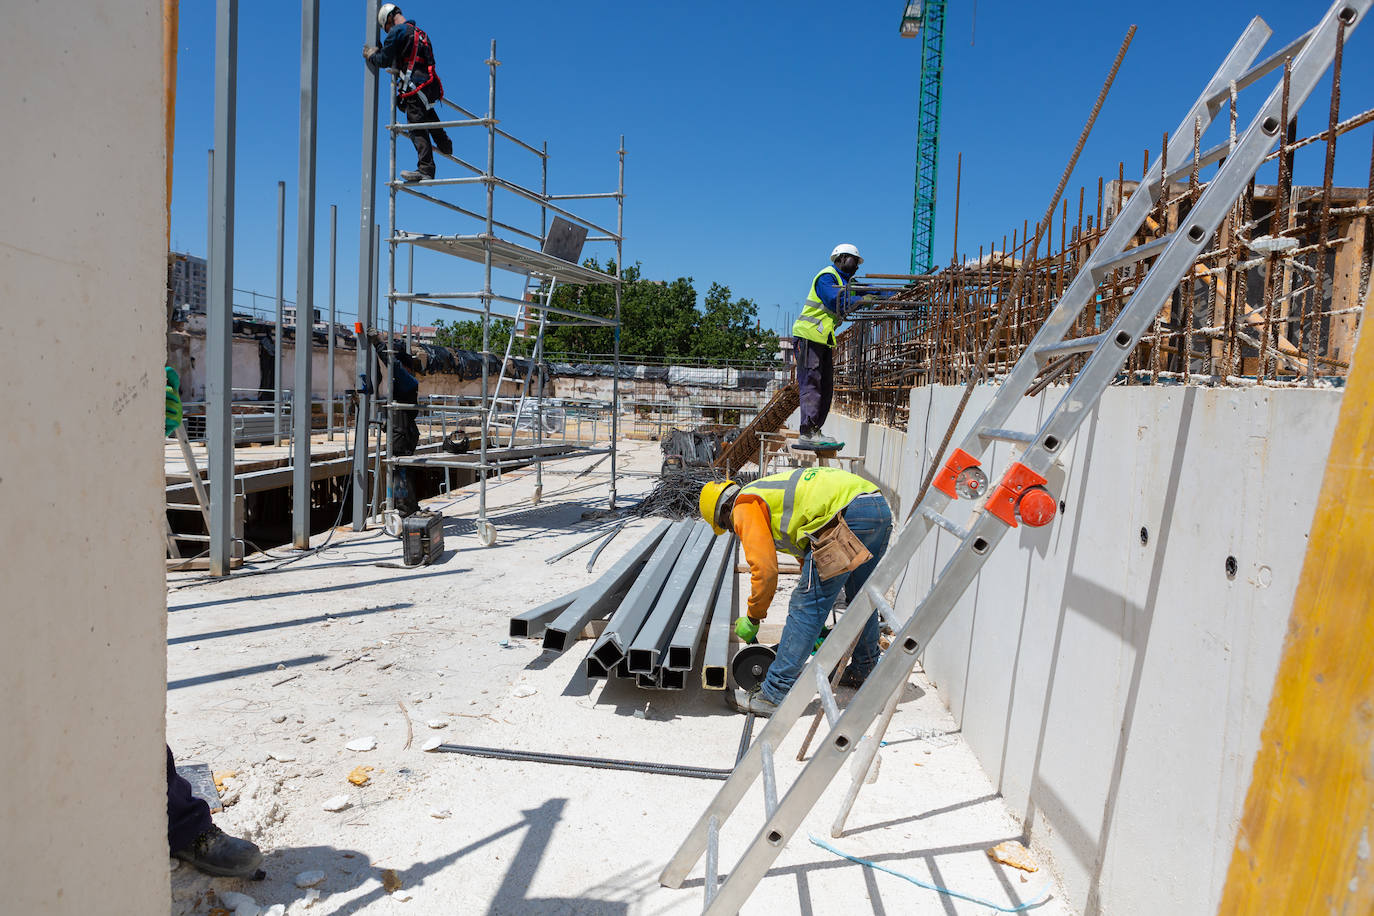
point(925, 19)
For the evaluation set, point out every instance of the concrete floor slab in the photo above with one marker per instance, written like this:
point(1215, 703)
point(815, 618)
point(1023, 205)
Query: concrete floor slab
point(272, 673)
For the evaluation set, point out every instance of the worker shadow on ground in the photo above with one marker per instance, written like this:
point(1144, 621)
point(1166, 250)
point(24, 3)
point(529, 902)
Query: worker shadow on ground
point(611, 896)
point(283, 624)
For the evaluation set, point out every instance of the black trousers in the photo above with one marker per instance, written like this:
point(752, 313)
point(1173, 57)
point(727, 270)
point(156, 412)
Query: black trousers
point(815, 381)
point(187, 816)
point(417, 113)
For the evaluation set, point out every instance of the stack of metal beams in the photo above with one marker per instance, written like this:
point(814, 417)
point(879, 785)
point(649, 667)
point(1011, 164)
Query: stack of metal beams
point(667, 595)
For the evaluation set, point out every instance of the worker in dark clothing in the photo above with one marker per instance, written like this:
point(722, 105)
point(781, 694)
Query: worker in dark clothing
point(193, 837)
point(405, 432)
point(406, 48)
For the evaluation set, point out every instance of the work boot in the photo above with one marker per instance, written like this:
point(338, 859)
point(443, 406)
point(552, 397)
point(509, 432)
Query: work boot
point(812, 439)
point(409, 175)
point(852, 679)
point(217, 853)
point(751, 701)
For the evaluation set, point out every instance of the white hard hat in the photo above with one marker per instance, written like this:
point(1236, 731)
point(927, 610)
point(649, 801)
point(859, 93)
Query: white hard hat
point(384, 14)
point(846, 248)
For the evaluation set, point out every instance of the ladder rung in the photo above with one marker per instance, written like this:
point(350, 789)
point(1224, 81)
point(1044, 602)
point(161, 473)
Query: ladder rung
point(1073, 345)
point(770, 779)
point(196, 506)
point(1132, 255)
point(712, 859)
point(878, 600)
point(832, 710)
point(1215, 154)
point(1270, 63)
point(203, 538)
point(1006, 435)
point(953, 528)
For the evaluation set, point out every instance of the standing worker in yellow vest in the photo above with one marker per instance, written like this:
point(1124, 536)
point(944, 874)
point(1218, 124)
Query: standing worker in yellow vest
point(814, 337)
point(837, 524)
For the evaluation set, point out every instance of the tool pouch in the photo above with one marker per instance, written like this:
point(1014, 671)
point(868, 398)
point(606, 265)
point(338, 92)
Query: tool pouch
point(835, 549)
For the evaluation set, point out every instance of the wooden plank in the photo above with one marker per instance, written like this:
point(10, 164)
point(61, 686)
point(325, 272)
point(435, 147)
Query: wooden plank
point(1304, 841)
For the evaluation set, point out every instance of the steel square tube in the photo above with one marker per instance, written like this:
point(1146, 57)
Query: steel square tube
point(658, 627)
point(683, 646)
point(595, 671)
point(673, 680)
point(596, 600)
point(533, 621)
point(716, 660)
point(615, 639)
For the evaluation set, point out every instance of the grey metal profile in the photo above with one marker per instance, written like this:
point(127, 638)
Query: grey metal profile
point(610, 646)
point(716, 660)
point(219, 332)
point(597, 600)
point(682, 648)
point(281, 314)
point(532, 622)
point(302, 416)
point(366, 266)
point(657, 629)
point(599, 763)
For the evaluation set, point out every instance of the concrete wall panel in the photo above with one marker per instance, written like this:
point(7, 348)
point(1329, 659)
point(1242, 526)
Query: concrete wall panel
point(83, 267)
point(1114, 690)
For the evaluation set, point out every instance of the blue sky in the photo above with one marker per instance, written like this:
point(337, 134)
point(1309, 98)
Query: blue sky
point(758, 135)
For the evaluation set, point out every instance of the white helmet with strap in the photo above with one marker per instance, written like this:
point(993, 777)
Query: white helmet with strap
point(385, 13)
point(846, 248)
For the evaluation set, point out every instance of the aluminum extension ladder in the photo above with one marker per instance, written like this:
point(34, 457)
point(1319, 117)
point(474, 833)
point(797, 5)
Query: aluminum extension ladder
point(995, 513)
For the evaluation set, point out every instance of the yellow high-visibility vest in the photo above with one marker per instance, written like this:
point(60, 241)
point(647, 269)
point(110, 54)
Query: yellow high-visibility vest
point(816, 323)
point(803, 501)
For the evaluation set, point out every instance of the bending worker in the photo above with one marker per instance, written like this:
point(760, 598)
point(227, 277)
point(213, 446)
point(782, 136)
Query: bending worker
point(406, 47)
point(814, 336)
point(837, 524)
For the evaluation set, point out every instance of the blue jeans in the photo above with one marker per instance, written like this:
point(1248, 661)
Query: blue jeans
point(871, 521)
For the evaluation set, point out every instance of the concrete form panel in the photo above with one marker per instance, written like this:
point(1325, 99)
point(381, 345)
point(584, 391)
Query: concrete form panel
point(83, 274)
point(1114, 690)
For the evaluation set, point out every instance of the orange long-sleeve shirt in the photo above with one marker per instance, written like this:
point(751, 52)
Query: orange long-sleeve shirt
point(750, 520)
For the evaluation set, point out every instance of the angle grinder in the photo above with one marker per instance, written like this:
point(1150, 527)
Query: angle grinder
point(751, 665)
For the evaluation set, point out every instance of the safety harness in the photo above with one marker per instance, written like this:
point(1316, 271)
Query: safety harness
point(421, 63)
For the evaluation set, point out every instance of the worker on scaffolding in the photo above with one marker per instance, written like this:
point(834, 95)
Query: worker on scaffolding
point(837, 524)
point(827, 302)
point(407, 49)
point(403, 390)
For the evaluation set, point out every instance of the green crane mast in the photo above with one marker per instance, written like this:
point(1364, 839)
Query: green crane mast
point(925, 19)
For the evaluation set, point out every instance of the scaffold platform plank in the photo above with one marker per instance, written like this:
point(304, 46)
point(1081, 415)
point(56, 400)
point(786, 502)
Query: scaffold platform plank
point(508, 256)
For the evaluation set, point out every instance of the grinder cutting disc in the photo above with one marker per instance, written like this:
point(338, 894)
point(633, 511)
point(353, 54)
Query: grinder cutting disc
point(751, 665)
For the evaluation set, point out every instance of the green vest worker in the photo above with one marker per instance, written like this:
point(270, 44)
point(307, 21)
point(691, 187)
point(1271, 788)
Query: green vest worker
point(813, 335)
point(794, 512)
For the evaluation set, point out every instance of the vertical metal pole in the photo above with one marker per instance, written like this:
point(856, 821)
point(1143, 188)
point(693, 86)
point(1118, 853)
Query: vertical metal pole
point(619, 270)
point(209, 225)
point(373, 311)
point(220, 324)
point(538, 349)
point(276, 334)
point(333, 259)
point(410, 288)
point(486, 285)
point(368, 185)
point(301, 412)
point(390, 298)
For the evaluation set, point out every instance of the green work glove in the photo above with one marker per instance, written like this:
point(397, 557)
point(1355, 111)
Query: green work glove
point(173, 415)
point(746, 628)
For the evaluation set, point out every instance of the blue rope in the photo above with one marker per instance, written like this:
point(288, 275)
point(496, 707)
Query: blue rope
point(1043, 898)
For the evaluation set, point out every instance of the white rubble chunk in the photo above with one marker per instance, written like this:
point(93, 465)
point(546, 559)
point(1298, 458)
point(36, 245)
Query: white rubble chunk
point(336, 803)
point(309, 878)
point(368, 743)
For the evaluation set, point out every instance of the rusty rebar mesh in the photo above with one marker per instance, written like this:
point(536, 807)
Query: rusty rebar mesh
point(745, 448)
point(1277, 296)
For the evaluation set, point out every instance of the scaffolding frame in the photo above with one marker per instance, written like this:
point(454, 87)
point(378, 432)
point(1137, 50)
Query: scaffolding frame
point(542, 272)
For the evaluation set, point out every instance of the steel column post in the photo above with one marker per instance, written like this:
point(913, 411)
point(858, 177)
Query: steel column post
point(301, 412)
point(333, 274)
point(219, 438)
point(366, 266)
point(281, 305)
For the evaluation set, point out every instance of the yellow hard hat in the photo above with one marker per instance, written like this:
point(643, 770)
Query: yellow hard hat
point(711, 496)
